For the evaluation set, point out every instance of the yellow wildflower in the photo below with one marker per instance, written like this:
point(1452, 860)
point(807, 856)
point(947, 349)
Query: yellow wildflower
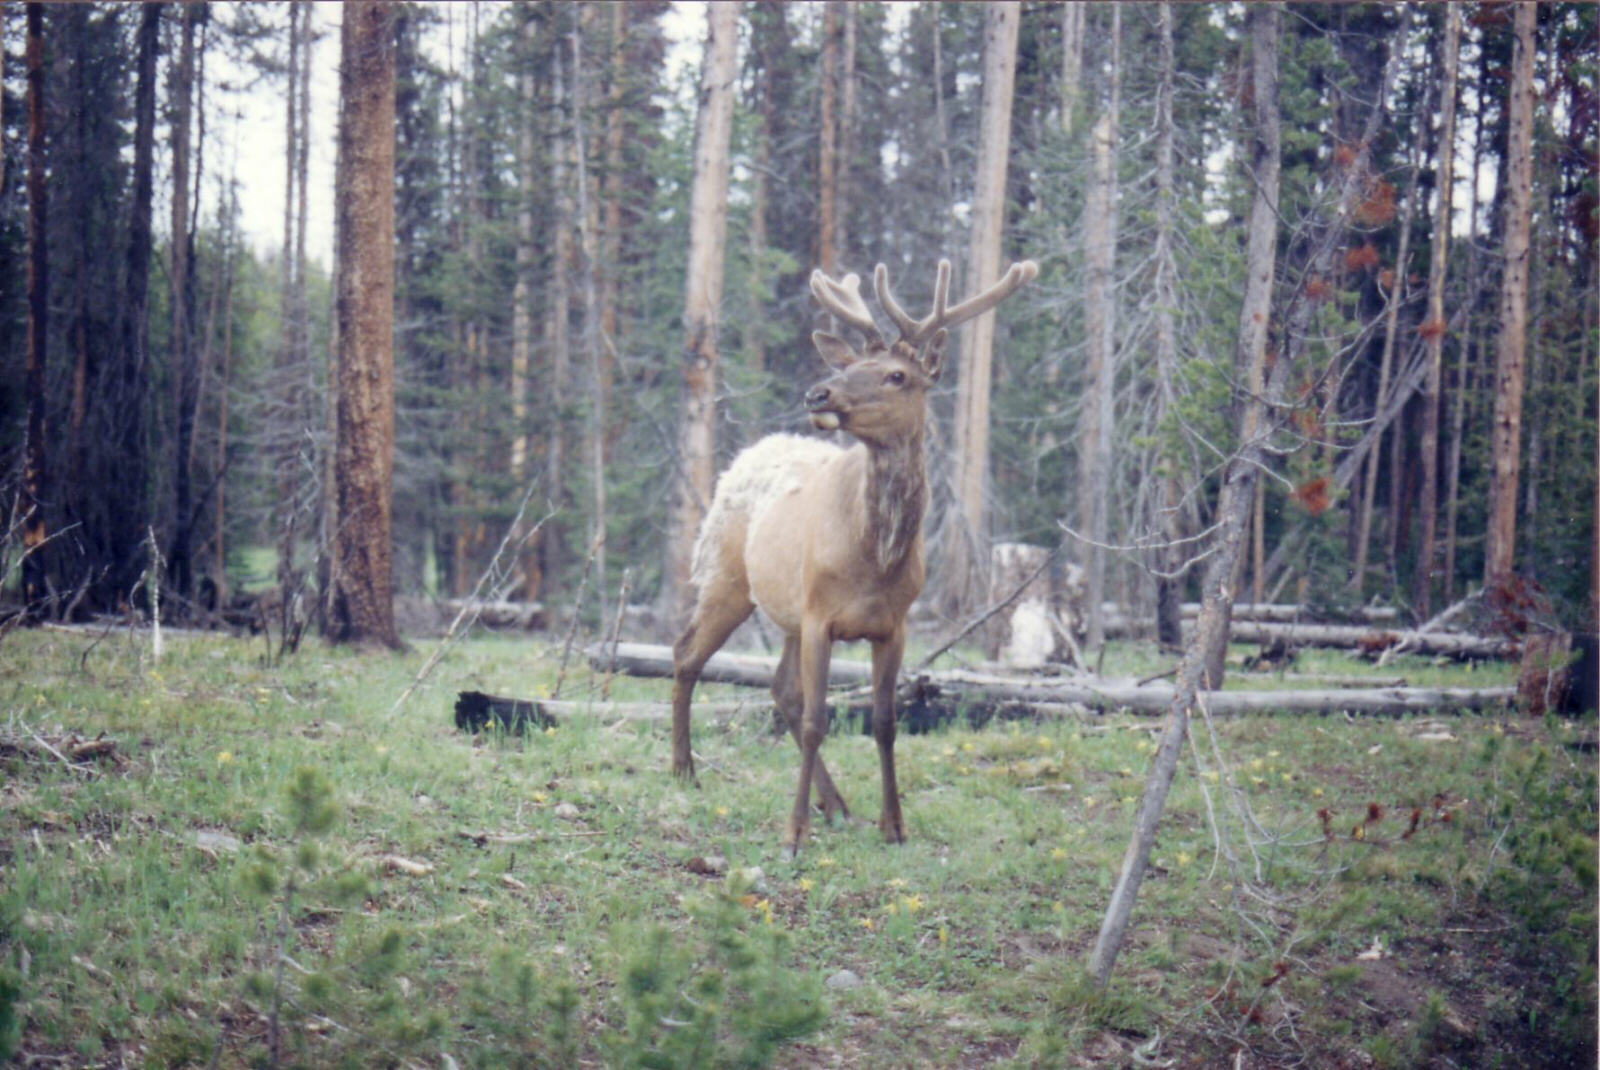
point(866, 923)
point(1058, 853)
point(912, 903)
point(806, 884)
point(722, 811)
point(225, 757)
point(825, 862)
point(1184, 858)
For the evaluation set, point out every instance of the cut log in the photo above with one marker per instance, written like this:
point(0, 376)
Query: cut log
point(962, 687)
point(749, 670)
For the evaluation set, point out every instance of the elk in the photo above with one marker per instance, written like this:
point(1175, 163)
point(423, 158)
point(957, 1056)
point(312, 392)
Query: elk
point(826, 540)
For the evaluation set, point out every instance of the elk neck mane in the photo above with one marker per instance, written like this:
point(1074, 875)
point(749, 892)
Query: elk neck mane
point(894, 495)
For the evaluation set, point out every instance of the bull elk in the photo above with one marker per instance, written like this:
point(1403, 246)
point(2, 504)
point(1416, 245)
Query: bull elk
point(828, 540)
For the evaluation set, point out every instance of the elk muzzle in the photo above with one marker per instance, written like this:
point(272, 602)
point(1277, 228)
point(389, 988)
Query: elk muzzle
point(819, 402)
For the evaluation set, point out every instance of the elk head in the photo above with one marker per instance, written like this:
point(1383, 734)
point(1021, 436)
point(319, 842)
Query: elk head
point(878, 393)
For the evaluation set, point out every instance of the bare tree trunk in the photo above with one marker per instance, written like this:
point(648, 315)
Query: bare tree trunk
point(591, 340)
point(941, 124)
point(1169, 593)
point(708, 221)
point(558, 339)
point(35, 477)
point(1434, 326)
point(843, 195)
point(827, 138)
point(970, 553)
point(1234, 505)
point(611, 193)
point(1506, 432)
point(522, 290)
point(1210, 645)
point(286, 483)
point(1396, 297)
point(1071, 61)
point(364, 603)
point(1100, 336)
point(755, 330)
point(184, 385)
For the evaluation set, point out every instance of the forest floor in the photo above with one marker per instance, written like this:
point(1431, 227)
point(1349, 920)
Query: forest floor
point(1325, 891)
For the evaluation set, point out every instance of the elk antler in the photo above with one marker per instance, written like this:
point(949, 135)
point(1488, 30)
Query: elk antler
point(913, 332)
point(843, 299)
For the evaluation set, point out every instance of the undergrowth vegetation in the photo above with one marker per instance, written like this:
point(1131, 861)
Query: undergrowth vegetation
point(282, 871)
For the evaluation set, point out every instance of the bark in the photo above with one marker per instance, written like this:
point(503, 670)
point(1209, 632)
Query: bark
point(762, 43)
point(286, 470)
point(611, 193)
point(969, 557)
point(364, 600)
point(184, 372)
point(827, 139)
point(1391, 312)
point(647, 660)
point(843, 194)
point(591, 341)
point(1422, 587)
point(1100, 338)
point(522, 290)
point(708, 220)
point(1072, 13)
point(1200, 661)
point(126, 468)
point(558, 340)
point(1506, 431)
point(1169, 592)
point(1261, 250)
point(35, 474)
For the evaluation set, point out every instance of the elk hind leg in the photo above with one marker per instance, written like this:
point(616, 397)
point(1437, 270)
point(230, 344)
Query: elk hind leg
point(717, 613)
point(790, 700)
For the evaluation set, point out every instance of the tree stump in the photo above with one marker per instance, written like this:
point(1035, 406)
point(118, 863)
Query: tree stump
point(1546, 672)
point(1032, 631)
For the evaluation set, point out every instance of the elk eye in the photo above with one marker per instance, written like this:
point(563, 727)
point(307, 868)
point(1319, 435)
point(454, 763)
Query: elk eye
point(895, 378)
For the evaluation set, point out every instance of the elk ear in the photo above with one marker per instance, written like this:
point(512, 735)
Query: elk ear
point(835, 350)
point(932, 358)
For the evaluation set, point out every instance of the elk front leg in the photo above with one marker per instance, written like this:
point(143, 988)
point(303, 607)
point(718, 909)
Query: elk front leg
point(719, 611)
point(814, 654)
point(790, 699)
point(885, 671)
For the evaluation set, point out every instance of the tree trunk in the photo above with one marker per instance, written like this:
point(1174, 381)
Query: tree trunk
point(1169, 592)
point(364, 602)
point(843, 195)
point(558, 340)
point(1210, 645)
point(1072, 13)
point(611, 228)
point(969, 556)
point(184, 377)
point(1506, 431)
point(286, 470)
point(1395, 298)
point(1434, 325)
point(708, 221)
point(522, 289)
point(1234, 505)
point(591, 340)
point(1100, 338)
point(827, 138)
point(35, 479)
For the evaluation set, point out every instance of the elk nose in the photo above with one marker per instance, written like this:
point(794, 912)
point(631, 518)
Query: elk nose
point(817, 397)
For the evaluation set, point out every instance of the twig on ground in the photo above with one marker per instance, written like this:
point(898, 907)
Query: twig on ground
point(982, 618)
point(473, 605)
point(616, 632)
point(577, 612)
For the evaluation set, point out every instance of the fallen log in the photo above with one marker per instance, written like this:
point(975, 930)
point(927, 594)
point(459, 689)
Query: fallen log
point(962, 688)
point(1354, 637)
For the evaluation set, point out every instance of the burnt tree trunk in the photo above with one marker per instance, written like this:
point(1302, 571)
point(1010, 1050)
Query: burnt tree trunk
point(31, 501)
point(363, 609)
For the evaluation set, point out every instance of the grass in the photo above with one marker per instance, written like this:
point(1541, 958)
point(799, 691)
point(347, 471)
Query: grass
point(585, 933)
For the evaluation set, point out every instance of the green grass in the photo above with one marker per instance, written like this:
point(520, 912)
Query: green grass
point(592, 938)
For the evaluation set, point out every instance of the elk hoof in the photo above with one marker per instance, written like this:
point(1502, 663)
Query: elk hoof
point(684, 771)
point(893, 831)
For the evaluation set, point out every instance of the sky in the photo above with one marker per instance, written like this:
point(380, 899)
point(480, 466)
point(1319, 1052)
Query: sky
point(254, 140)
